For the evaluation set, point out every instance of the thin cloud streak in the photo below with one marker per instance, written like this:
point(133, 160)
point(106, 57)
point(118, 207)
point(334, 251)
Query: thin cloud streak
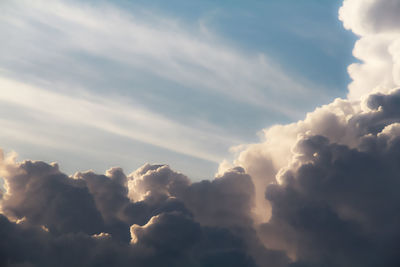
point(111, 116)
point(52, 31)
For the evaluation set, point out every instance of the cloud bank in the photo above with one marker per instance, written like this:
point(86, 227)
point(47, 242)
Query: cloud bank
point(152, 217)
point(319, 192)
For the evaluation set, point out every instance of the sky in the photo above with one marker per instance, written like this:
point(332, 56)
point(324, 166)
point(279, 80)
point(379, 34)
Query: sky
point(121, 83)
point(212, 133)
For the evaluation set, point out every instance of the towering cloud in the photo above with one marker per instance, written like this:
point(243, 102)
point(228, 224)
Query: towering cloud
point(343, 121)
point(319, 192)
point(325, 185)
point(377, 23)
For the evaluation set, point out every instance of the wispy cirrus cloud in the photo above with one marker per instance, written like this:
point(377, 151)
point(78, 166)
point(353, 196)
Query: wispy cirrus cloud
point(35, 107)
point(60, 37)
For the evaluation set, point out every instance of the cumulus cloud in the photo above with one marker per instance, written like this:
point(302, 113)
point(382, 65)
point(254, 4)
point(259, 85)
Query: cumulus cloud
point(343, 121)
point(324, 185)
point(339, 207)
point(331, 191)
point(378, 49)
point(152, 217)
point(41, 194)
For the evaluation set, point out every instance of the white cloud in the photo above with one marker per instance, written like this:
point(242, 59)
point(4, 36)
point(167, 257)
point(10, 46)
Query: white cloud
point(377, 24)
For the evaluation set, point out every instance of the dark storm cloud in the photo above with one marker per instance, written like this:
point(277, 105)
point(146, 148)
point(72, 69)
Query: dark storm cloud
point(385, 111)
point(43, 195)
point(226, 200)
point(170, 239)
point(340, 206)
point(90, 219)
point(177, 240)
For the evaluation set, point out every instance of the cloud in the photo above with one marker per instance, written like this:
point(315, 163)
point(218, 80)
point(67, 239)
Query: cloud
point(41, 194)
point(330, 194)
point(153, 217)
point(333, 203)
point(226, 200)
point(323, 182)
point(339, 204)
point(377, 24)
point(109, 115)
point(343, 121)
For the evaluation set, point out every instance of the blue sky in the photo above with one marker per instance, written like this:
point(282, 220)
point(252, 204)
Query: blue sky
point(95, 85)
